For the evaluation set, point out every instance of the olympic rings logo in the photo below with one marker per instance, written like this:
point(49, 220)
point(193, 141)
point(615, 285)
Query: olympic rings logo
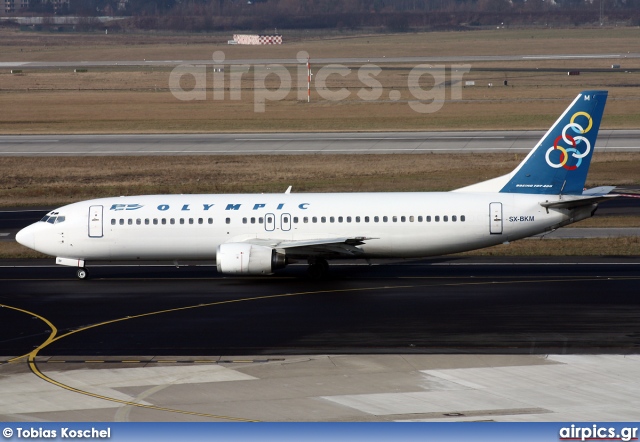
point(573, 141)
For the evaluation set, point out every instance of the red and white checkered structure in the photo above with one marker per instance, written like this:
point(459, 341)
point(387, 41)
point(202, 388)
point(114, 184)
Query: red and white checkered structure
point(250, 39)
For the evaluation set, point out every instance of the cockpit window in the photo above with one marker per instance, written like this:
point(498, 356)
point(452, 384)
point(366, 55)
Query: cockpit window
point(53, 219)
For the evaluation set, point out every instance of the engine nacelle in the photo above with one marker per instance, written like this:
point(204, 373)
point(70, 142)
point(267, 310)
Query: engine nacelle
point(248, 259)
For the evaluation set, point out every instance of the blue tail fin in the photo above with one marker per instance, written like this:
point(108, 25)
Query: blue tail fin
point(560, 161)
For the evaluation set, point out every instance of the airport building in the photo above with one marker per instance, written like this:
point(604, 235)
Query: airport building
point(11, 6)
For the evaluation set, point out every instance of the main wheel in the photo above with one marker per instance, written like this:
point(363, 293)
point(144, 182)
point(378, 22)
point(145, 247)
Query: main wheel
point(318, 269)
point(82, 273)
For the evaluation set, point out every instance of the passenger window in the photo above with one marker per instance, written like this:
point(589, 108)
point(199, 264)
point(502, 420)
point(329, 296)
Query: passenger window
point(244, 220)
point(445, 218)
point(340, 219)
point(385, 219)
point(323, 219)
point(260, 220)
point(172, 221)
point(190, 220)
point(210, 220)
point(285, 220)
point(200, 220)
point(295, 220)
point(332, 219)
point(181, 220)
point(130, 221)
point(376, 219)
point(348, 219)
point(305, 219)
point(454, 218)
point(429, 218)
point(155, 221)
point(403, 219)
point(366, 219)
point(253, 220)
point(437, 219)
point(462, 218)
point(411, 219)
point(164, 221)
point(146, 221)
point(420, 219)
point(395, 219)
point(269, 219)
point(358, 219)
point(121, 222)
point(138, 221)
point(228, 220)
point(315, 219)
point(113, 222)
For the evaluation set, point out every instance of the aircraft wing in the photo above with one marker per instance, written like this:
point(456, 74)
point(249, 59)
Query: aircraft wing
point(334, 246)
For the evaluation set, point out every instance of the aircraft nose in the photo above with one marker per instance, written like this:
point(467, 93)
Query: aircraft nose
point(26, 237)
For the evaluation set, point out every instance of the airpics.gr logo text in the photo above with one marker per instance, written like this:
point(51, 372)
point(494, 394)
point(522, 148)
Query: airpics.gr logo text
point(220, 80)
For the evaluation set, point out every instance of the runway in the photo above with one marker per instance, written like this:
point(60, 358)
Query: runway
point(431, 340)
point(447, 305)
point(321, 61)
point(448, 339)
point(296, 143)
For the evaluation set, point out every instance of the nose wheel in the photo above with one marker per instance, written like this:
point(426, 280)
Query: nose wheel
point(82, 273)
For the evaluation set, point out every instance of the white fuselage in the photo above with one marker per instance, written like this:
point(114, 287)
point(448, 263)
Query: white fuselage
point(175, 227)
point(255, 234)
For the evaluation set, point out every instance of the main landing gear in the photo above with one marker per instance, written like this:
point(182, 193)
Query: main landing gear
point(318, 268)
point(82, 273)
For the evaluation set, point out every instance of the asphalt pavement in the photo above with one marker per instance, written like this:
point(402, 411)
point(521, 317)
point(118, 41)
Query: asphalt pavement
point(296, 143)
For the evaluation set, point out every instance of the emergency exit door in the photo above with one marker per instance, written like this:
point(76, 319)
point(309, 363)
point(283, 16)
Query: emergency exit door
point(285, 222)
point(495, 211)
point(269, 222)
point(95, 222)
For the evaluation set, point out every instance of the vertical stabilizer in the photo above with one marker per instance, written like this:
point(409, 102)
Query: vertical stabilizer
point(560, 161)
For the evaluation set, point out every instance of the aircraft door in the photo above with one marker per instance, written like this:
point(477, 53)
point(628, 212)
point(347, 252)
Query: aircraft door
point(95, 222)
point(285, 222)
point(495, 212)
point(269, 222)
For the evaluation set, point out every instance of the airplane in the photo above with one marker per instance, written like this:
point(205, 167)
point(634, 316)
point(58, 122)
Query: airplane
point(257, 234)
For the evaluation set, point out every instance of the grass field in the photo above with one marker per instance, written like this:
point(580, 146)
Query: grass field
point(138, 100)
point(27, 46)
point(61, 180)
point(148, 112)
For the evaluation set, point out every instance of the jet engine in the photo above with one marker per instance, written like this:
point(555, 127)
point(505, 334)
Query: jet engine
point(248, 259)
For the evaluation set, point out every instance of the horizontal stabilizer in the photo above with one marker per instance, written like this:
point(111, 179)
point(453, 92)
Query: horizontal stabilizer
point(602, 190)
point(588, 197)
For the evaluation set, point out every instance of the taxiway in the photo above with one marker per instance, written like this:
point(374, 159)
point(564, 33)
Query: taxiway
point(296, 143)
